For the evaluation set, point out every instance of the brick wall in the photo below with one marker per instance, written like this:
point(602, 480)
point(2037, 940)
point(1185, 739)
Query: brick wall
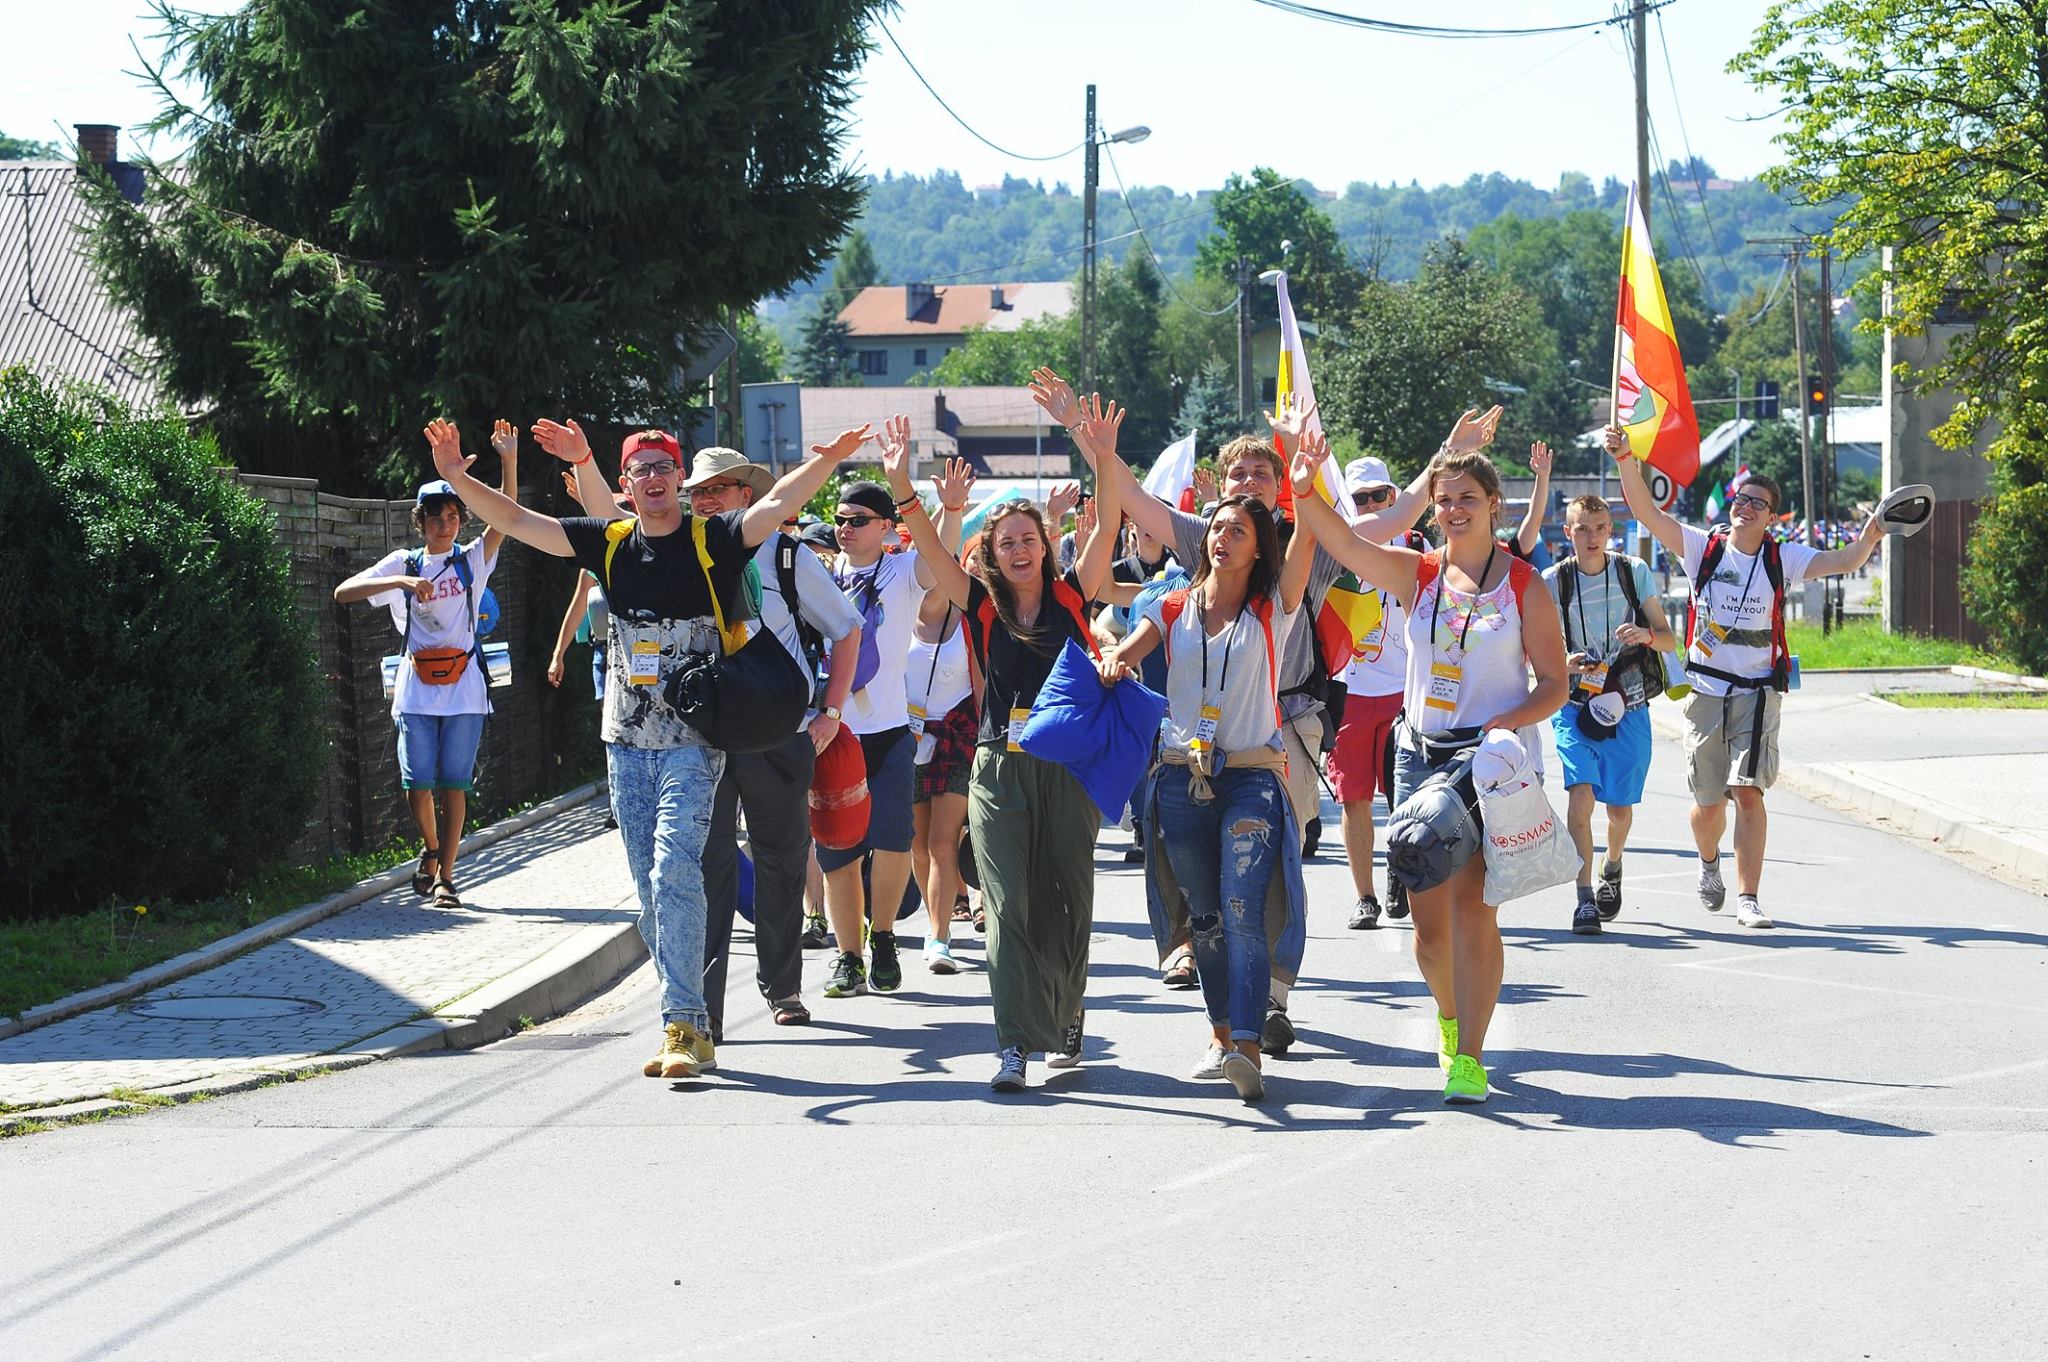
point(537, 742)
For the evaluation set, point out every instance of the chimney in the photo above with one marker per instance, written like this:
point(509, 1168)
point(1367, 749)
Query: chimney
point(915, 299)
point(995, 297)
point(98, 143)
point(941, 418)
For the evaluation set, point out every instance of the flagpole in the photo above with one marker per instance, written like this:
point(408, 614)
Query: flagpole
point(1614, 378)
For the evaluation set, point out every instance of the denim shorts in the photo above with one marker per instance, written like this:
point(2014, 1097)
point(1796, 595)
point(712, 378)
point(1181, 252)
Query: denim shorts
point(438, 751)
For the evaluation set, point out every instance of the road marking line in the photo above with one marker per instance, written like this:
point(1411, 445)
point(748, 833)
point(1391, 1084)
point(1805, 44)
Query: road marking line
point(947, 1251)
point(2003, 1071)
point(1224, 1169)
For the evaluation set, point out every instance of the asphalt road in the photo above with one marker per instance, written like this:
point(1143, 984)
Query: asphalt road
point(1823, 1141)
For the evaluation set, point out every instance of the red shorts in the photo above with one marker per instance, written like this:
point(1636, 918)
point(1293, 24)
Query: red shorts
point(1361, 750)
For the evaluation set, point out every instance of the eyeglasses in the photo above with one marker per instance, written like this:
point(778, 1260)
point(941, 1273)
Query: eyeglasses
point(654, 468)
point(1748, 499)
point(854, 522)
point(715, 487)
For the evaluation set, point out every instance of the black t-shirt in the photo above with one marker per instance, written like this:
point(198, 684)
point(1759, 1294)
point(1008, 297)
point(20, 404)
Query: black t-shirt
point(1013, 669)
point(657, 593)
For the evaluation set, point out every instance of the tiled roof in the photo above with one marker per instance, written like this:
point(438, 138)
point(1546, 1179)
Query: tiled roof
point(880, 310)
point(54, 316)
point(827, 411)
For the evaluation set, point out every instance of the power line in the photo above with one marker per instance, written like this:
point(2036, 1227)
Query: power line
point(1496, 87)
point(1670, 201)
point(1691, 161)
point(1013, 155)
point(1167, 279)
point(1305, 11)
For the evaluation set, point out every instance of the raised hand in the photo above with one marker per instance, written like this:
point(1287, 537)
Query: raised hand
point(1539, 459)
point(505, 438)
point(1084, 520)
point(1056, 395)
point(446, 442)
point(894, 441)
point(1307, 461)
point(1064, 497)
point(1205, 486)
point(1100, 424)
point(565, 442)
point(1473, 431)
point(1615, 440)
point(1289, 418)
point(846, 441)
point(954, 485)
point(569, 482)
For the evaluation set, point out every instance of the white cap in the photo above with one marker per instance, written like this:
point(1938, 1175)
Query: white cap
point(1608, 708)
point(1362, 475)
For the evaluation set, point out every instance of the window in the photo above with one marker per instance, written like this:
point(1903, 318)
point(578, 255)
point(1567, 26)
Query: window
point(1269, 389)
point(872, 361)
point(917, 358)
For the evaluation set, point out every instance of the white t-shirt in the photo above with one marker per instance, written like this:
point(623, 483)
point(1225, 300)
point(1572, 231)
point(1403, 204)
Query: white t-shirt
point(1379, 660)
point(1739, 600)
point(1482, 637)
point(1239, 683)
point(936, 673)
point(445, 621)
point(881, 704)
point(818, 600)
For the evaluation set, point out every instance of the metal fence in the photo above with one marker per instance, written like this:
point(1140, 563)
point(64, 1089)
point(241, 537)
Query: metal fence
point(1929, 576)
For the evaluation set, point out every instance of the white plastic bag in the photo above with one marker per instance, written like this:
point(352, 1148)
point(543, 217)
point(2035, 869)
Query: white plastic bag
point(1523, 838)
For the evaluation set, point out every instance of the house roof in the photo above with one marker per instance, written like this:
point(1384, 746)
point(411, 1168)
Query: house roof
point(883, 309)
point(937, 415)
point(54, 315)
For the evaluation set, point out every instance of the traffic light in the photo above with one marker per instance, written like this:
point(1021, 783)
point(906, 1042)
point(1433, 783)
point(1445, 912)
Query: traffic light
point(1766, 400)
point(1816, 398)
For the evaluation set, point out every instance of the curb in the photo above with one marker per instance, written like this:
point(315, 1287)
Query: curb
point(2008, 678)
point(283, 925)
point(2018, 863)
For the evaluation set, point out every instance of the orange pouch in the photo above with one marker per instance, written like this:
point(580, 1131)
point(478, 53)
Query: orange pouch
point(440, 666)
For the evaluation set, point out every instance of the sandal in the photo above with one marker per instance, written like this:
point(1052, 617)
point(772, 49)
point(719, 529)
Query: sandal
point(981, 920)
point(1181, 973)
point(423, 878)
point(962, 911)
point(790, 1012)
point(445, 895)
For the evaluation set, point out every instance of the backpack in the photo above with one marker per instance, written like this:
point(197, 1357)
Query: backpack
point(984, 621)
point(442, 666)
point(1654, 676)
point(1174, 602)
point(1520, 574)
point(809, 639)
point(1780, 676)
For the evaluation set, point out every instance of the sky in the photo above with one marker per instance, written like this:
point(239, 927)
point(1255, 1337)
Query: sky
point(1223, 84)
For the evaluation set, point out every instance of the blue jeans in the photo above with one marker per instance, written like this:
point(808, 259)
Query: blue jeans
point(1223, 854)
point(662, 800)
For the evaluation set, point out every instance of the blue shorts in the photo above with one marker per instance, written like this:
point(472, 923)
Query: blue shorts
point(438, 751)
point(1615, 766)
point(892, 780)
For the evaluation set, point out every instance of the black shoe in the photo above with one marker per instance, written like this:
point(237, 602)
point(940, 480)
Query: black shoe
point(1607, 894)
point(1586, 917)
point(1069, 1053)
point(885, 971)
point(849, 978)
point(1311, 838)
point(1134, 855)
point(1397, 899)
point(1278, 1032)
point(816, 935)
point(1366, 915)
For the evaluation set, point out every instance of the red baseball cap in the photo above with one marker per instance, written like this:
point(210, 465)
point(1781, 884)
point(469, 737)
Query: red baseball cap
point(650, 439)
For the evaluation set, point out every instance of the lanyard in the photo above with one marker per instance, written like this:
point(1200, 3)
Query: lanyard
point(1229, 641)
point(1743, 599)
point(945, 626)
point(1443, 584)
point(1606, 609)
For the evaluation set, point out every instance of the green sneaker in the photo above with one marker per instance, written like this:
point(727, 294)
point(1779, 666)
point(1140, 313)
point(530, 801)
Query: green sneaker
point(849, 977)
point(1467, 1083)
point(1447, 1028)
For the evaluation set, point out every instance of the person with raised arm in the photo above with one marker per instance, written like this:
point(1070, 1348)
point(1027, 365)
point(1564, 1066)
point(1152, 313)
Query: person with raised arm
point(1254, 467)
point(1216, 805)
point(1476, 630)
point(1032, 823)
point(664, 774)
point(442, 695)
point(1529, 536)
point(1737, 661)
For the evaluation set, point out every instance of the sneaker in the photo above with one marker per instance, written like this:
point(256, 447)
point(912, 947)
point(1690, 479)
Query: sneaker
point(679, 1050)
point(885, 971)
point(1211, 1065)
point(816, 935)
point(1244, 1075)
point(1447, 1032)
point(1747, 914)
point(1586, 917)
point(1311, 838)
point(1397, 899)
point(1366, 915)
point(1466, 1084)
point(1713, 893)
point(652, 1068)
point(849, 978)
point(1607, 894)
point(938, 957)
point(1009, 1071)
point(1278, 1032)
point(1069, 1053)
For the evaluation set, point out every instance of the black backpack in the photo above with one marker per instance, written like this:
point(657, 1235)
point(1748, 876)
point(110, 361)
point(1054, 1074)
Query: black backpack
point(1652, 666)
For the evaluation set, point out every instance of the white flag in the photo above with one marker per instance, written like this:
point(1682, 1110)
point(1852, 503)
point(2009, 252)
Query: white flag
point(1173, 472)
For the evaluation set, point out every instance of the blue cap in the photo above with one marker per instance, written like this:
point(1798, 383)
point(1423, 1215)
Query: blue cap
point(439, 487)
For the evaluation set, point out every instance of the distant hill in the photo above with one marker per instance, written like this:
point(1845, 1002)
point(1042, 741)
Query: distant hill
point(939, 230)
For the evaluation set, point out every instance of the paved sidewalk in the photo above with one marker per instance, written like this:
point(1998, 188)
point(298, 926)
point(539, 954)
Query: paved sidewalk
point(548, 916)
point(1972, 780)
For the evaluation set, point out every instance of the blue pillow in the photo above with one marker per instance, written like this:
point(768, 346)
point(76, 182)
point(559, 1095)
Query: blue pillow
point(1101, 734)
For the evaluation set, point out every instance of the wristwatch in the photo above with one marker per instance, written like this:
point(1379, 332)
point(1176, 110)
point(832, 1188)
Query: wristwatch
point(830, 712)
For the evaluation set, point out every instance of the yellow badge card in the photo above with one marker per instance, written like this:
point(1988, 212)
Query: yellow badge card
point(1444, 680)
point(643, 662)
point(1017, 718)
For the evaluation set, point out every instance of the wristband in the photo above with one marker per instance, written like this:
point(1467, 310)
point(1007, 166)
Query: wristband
point(578, 463)
point(912, 500)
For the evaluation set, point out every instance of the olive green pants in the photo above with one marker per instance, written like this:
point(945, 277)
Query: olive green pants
point(1033, 828)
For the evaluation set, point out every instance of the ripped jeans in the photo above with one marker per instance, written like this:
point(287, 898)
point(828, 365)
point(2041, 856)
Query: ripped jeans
point(1223, 854)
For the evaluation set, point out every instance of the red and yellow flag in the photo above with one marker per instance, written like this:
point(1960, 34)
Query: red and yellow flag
point(1293, 381)
point(1651, 402)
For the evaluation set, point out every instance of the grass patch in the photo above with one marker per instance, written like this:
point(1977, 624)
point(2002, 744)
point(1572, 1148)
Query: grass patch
point(1864, 643)
point(1983, 699)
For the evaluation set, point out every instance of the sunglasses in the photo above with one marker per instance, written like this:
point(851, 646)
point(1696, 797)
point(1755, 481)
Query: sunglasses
point(654, 468)
point(1372, 496)
point(854, 522)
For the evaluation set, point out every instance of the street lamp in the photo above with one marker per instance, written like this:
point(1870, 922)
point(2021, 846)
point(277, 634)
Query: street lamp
point(1093, 143)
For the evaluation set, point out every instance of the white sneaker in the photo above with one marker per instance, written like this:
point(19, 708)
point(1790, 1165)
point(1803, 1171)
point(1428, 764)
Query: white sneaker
point(1211, 1065)
point(1713, 893)
point(1244, 1075)
point(938, 958)
point(1747, 914)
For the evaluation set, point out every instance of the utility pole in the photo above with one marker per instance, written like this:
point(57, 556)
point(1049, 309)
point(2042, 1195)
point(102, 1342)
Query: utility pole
point(1826, 339)
point(1244, 341)
point(1089, 172)
point(1639, 19)
point(1805, 395)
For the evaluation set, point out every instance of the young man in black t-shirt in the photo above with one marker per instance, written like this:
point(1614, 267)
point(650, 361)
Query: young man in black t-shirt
point(663, 772)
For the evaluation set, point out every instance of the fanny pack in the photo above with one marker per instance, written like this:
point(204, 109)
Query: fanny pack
point(440, 666)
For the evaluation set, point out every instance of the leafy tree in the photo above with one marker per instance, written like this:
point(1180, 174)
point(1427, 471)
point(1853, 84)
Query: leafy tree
point(1255, 218)
point(824, 354)
point(760, 350)
point(27, 149)
point(1006, 358)
point(482, 207)
point(1210, 410)
point(1133, 367)
point(855, 269)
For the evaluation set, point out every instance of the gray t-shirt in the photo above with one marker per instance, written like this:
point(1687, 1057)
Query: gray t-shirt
point(1599, 606)
point(1227, 670)
point(1298, 659)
